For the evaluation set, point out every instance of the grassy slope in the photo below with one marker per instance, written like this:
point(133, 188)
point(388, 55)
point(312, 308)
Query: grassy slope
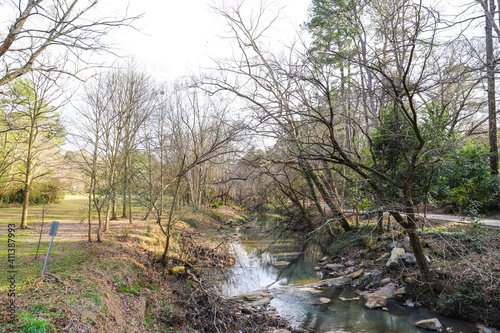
point(109, 287)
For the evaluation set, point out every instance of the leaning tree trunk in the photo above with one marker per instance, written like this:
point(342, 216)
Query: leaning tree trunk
point(337, 212)
point(410, 226)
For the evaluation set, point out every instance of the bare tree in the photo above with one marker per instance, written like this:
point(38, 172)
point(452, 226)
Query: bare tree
point(33, 28)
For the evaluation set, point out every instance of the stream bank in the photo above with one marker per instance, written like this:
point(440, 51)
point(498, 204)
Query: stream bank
point(294, 273)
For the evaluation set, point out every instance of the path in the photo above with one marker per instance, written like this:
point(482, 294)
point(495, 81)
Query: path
point(447, 218)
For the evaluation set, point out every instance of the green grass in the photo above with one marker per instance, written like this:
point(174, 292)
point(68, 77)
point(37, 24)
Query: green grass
point(33, 324)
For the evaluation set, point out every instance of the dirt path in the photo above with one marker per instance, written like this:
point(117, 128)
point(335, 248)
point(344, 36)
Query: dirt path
point(447, 218)
point(465, 219)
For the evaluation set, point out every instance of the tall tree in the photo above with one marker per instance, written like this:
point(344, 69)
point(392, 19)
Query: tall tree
point(40, 129)
point(30, 29)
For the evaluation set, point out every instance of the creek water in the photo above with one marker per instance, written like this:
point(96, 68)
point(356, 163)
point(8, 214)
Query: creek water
point(257, 250)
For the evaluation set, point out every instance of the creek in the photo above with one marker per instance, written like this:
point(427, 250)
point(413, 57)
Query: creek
point(257, 249)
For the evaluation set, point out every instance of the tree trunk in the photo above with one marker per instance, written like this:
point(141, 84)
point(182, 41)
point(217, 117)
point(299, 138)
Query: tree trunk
point(410, 227)
point(90, 211)
point(107, 218)
point(337, 212)
point(490, 73)
point(26, 199)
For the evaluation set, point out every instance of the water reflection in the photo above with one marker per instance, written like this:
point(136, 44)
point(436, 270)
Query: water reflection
point(258, 250)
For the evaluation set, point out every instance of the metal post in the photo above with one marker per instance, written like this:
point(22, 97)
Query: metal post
point(53, 232)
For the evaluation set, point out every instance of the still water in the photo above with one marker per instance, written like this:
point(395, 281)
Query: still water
point(258, 249)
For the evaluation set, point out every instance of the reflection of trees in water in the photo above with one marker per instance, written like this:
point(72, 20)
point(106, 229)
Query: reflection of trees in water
point(277, 245)
point(255, 256)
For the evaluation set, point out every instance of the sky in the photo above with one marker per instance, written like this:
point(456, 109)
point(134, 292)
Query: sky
point(177, 38)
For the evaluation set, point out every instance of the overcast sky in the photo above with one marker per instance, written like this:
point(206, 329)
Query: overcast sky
point(180, 36)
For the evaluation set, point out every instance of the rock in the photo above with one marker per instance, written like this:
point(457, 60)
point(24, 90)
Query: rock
point(336, 274)
point(429, 324)
point(349, 270)
point(400, 292)
point(385, 309)
point(393, 260)
point(385, 281)
point(374, 302)
point(343, 299)
point(334, 267)
point(357, 274)
point(409, 280)
point(483, 329)
point(309, 289)
point(392, 245)
point(280, 331)
point(262, 301)
point(317, 268)
point(363, 253)
point(281, 263)
point(177, 269)
point(385, 292)
point(255, 297)
point(407, 258)
point(251, 298)
point(337, 282)
point(324, 259)
point(350, 263)
point(324, 300)
point(409, 304)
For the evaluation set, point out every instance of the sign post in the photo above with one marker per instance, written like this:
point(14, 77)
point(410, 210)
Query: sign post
point(52, 232)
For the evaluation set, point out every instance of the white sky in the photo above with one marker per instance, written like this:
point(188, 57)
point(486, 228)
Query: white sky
point(180, 36)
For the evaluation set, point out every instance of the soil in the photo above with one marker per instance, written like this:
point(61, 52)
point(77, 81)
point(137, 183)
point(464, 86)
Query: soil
point(120, 285)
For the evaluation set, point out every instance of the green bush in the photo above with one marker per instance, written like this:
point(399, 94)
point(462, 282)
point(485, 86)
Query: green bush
point(464, 179)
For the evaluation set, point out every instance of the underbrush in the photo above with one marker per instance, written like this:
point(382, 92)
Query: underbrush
point(120, 285)
point(465, 258)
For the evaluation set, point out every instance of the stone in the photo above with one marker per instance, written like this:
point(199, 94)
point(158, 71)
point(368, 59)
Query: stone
point(363, 253)
point(386, 292)
point(337, 282)
point(409, 280)
point(409, 304)
point(407, 258)
point(324, 259)
point(400, 292)
point(317, 268)
point(250, 298)
point(343, 299)
point(393, 260)
point(374, 302)
point(324, 300)
point(334, 267)
point(350, 263)
point(430, 324)
point(177, 269)
point(349, 270)
point(261, 302)
point(385, 281)
point(357, 274)
point(335, 274)
point(281, 263)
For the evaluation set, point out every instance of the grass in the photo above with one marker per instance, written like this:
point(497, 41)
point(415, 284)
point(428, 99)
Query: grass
point(34, 324)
